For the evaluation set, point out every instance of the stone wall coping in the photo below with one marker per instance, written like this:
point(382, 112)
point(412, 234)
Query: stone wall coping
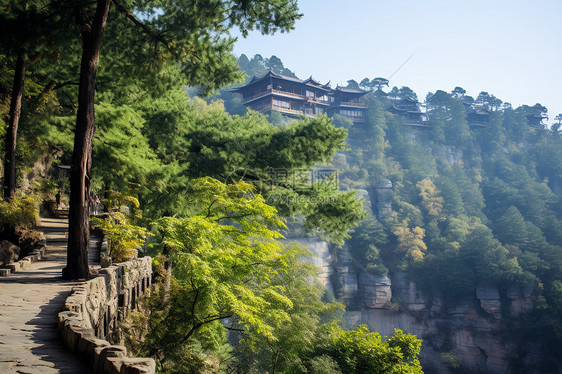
point(87, 304)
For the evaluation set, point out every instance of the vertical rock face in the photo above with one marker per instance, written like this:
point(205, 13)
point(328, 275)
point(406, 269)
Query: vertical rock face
point(412, 299)
point(364, 194)
point(489, 298)
point(357, 288)
point(450, 154)
point(322, 259)
point(520, 300)
point(344, 278)
point(374, 291)
point(383, 192)
point(474, 335)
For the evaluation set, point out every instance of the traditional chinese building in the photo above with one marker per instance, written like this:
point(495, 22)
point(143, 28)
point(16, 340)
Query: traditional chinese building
point(409, 110)
point(295, 98)
point(477, 117)
point(347, 102)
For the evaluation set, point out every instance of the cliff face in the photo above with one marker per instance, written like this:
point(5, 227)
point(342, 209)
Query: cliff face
point(486, 332)
point(472, 335)
point(478, 334)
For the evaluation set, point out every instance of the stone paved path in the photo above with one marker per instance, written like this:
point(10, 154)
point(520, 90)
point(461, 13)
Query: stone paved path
point(29, 303)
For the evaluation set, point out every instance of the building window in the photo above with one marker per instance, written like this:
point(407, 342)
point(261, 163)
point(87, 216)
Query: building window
point(281, 104)
point(309, 94)
point(351, 113)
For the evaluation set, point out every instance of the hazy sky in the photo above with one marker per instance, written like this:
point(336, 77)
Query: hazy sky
point(511, 49)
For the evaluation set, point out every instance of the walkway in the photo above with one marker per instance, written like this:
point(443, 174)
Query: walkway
point(29, 304)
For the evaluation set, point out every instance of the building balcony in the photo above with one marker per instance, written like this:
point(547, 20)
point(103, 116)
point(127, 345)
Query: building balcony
point(416, 123)
point(314, 100)
point(351, 104)
point(288, 94)
point(259, 95)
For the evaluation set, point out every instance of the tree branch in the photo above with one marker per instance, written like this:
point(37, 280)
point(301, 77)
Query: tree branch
point(67, 83)
point(252, 264)
point(209, 208)
point(144, 27)
point(228, 217)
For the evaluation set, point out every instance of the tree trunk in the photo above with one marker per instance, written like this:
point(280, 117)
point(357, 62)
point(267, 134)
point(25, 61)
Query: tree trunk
point(168, 282)
point(78, 218)
point(12, 133)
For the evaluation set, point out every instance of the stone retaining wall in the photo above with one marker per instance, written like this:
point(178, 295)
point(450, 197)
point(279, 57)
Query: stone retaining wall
point(93, 310)
point(36, 254)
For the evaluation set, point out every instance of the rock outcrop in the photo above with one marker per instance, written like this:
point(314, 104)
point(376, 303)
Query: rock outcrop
point(383, 192)
point(374, 290)
point(472, 334)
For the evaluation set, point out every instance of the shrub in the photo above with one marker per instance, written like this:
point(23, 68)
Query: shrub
point(124, 238)
point(18, 212)
point(46, 188)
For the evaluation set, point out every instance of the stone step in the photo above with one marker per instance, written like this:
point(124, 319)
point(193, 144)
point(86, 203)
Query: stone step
point(5, 272)
point(57, 240)
point(14, 267)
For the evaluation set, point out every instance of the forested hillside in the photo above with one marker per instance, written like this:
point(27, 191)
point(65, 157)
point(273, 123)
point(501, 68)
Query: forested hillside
point(473, 202)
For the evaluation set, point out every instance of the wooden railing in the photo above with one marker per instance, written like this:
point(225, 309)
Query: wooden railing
point(316, 100)
point(352, 104)
point(289, 94)
point(288, 110)
point(270, 91)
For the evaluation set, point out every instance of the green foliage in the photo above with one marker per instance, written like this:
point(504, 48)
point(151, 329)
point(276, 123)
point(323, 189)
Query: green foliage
point(18, 212)
point(195, 34)
point(335, 217)
point(410, 241)
point(448, 119)
point(46, 188)
point(362, 351)
point(223, 257)
point(124, 238)
point(228, 266)
point(365, 243)
point(286, 352)
point(124, 148)
point(452, 359)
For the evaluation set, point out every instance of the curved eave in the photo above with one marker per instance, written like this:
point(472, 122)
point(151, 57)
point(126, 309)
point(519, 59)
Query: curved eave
point(351, 91)
point(319, 88)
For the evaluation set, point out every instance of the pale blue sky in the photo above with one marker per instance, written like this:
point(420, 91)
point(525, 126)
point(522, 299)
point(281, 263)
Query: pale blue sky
point(512, 49)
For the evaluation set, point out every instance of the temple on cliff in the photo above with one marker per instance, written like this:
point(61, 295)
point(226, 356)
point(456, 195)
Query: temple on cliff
point(294, 97)
point(409, 109)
